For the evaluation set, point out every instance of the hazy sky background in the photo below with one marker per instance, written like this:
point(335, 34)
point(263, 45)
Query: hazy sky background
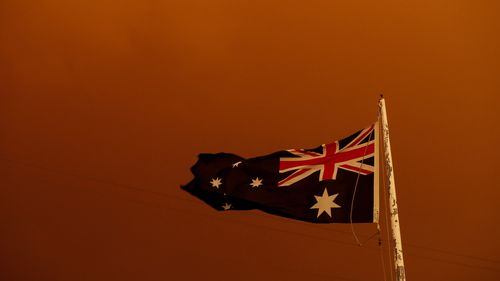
point(104, 106)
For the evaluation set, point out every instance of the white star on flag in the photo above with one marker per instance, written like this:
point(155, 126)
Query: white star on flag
point(235, 165)
point(226, 206)
point(324, 203)
point(256, 182)
point(216, 182)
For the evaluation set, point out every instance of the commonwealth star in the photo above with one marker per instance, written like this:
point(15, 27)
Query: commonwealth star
point(324, 203)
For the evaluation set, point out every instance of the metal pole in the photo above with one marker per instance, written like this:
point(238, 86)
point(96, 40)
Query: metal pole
point(396, 235)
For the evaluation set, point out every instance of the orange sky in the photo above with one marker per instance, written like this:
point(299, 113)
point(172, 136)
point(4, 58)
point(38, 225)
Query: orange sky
point(104, 106)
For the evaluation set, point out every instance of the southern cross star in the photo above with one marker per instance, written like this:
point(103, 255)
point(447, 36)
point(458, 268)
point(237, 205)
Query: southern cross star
point(324, 203)
point(235, 165)
point(226, 206)
point(256, 182)
point(216, 182)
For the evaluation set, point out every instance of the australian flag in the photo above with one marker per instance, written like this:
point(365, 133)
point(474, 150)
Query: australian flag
point(332, 183)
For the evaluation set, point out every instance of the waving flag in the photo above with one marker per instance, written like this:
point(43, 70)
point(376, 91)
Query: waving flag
point(334, 182)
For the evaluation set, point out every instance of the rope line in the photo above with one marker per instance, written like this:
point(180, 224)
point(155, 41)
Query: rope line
point(356, 188)
point(381, 251)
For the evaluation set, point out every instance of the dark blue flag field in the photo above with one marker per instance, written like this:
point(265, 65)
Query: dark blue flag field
point(332, 183)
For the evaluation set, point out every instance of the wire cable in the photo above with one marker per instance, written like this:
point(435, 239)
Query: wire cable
point(61, 172)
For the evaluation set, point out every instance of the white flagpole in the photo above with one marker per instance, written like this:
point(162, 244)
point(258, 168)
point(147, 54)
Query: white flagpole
point(396, 235)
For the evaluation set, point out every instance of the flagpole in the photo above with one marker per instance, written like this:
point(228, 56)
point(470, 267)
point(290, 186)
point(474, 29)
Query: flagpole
point(396, 234)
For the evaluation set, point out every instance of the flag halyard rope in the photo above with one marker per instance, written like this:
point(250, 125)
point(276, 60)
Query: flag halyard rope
point(355, 189)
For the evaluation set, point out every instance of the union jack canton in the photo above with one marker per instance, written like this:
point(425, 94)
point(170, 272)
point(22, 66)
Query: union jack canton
point(349, 157)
